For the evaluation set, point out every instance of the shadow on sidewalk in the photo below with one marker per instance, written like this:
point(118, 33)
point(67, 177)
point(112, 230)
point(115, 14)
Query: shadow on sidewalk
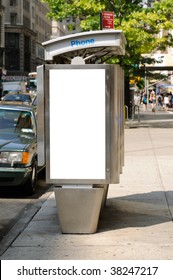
point(140, 210)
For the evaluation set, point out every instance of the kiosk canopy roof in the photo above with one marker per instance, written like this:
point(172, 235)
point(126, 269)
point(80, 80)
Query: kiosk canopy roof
point(91, 46)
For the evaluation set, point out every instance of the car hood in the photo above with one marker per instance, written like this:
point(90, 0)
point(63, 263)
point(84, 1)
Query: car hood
point(14, 141)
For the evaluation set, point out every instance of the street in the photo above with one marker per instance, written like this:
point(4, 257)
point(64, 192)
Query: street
point(13, 205)
point(159, 119)
point(136, 222)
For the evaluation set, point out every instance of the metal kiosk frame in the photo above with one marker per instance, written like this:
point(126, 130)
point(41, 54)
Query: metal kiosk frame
point(81, 124)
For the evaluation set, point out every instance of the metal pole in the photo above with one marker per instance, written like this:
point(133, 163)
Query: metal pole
point(126, 112)
point(146, 87)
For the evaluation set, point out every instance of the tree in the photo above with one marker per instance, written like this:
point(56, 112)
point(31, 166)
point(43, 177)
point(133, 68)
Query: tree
point(141, 26)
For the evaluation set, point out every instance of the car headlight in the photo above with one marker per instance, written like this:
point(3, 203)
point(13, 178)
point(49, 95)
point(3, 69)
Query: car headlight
point(14, 157)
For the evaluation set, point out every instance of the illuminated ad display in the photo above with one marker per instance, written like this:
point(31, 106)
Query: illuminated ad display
point(77, 129)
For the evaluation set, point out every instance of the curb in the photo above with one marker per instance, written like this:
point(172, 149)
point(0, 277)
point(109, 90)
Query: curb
point(23, 222)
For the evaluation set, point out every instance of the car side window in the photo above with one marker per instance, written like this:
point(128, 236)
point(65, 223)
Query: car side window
point(24, 121)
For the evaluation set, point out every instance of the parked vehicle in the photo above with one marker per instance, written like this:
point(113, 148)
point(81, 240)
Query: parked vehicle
point(13, 86)
point(34, 104)
point(17, 97)
point(18, 147)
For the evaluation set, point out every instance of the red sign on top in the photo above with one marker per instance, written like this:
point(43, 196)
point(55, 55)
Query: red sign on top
point(107, 20)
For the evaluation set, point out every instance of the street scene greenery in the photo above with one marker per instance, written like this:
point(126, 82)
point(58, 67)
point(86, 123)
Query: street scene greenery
point(142, 25)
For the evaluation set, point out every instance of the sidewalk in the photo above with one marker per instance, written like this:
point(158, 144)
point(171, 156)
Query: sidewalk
point(137, 222)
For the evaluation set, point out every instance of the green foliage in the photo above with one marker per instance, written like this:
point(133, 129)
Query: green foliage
point(141, 26)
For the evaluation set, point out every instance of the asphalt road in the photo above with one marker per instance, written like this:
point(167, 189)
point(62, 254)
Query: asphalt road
point(159, 119)
point(13, 205)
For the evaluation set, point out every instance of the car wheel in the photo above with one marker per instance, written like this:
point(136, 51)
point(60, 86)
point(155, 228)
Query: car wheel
point(30, 185)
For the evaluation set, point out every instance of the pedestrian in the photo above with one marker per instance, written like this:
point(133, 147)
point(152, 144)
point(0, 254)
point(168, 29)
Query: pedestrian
point(153, 100)
point(159, 101)
point(166, 102)
point(137, 102)
point(144, 100)
point(137, 99)
point(170, 99)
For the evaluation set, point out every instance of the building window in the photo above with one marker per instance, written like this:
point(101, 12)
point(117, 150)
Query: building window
point(13, 19)
point(26, 22)
point(12, 40)
point(33, 47)
point(12, 2)
point(26, 5)
point(27, 53)
point(12, 52)
point(33, 12)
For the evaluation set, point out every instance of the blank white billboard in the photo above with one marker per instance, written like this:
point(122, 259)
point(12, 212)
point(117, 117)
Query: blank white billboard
point(77, 128)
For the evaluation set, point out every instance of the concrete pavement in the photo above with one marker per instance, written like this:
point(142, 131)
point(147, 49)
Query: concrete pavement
point(137, 221)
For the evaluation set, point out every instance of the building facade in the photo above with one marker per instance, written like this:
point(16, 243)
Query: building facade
point(24, 26)
point(65, 27)
point(2, 33)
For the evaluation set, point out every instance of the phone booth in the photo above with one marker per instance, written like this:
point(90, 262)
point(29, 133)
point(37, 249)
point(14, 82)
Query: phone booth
point(81, 123)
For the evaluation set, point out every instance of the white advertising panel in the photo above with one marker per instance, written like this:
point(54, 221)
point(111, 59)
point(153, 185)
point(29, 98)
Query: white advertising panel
point(77, 129)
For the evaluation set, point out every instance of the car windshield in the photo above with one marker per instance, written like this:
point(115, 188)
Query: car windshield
point(18, 97)
point(16, 121)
